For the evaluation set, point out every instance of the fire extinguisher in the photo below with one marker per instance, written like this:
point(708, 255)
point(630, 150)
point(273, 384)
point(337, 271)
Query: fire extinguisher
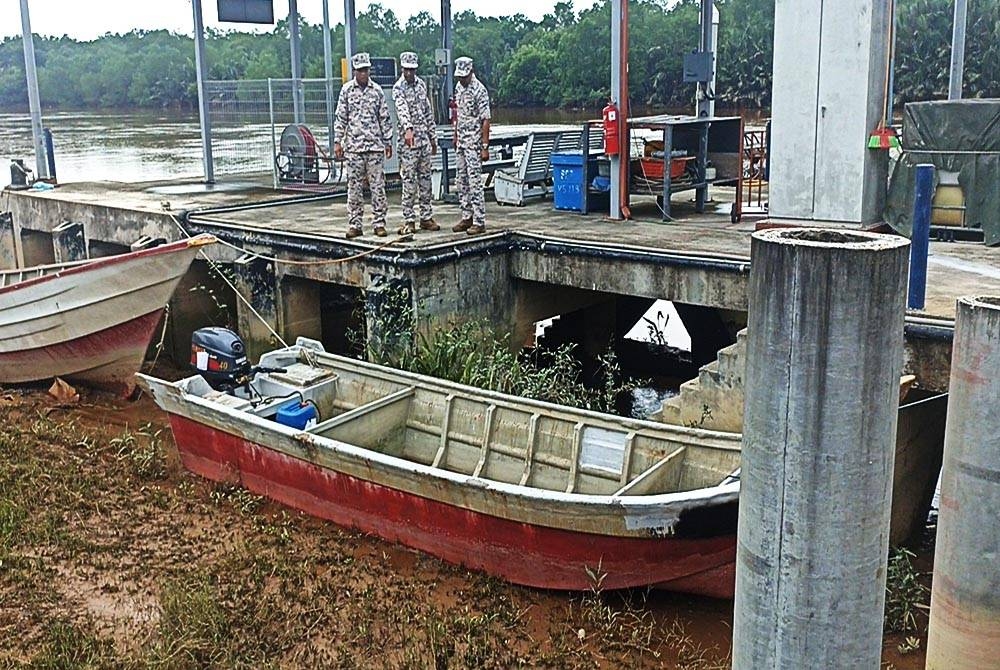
point(452, 110)
point(610, 118)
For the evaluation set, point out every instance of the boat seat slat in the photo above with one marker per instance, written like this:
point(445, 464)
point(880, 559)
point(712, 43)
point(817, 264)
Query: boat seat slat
point(362, 410)
point(529, 454)
point(484, 449)
point(574, 461)
point(646, 482)
point(627, 458)
point(445, 426)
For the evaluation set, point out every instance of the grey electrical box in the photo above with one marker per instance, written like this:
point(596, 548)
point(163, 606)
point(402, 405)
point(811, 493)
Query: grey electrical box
point(246, 11)
point(698, 66)
point(442, 57)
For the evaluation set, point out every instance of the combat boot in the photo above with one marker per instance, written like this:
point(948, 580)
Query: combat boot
point(429, 224)
point(462, 226)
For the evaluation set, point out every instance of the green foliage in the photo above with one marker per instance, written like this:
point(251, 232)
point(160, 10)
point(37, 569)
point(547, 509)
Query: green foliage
point(906, 597)
point(561, 61)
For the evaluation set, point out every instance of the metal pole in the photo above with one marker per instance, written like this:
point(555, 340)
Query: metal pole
point(350, 35)
point(616, 83)
point(957, 51)
point(41, 164)
point(447, 33)
point(709, 23)
point(822, 392)
point(923, 193)
point(965, 609)
point(293, 38)
point(328, 72)
point(201, 71)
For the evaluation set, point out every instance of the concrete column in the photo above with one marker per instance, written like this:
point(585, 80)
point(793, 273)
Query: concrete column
point(828, 95)
point(36, 248)
point(824, 353)
point(964, 631)
point(8, 242)
point(69, 242)
point(255, 280)
point(300, 313)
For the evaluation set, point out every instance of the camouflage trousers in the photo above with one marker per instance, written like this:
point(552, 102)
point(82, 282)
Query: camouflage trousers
point(415, 171)
point(470, 186)
point(366, 168)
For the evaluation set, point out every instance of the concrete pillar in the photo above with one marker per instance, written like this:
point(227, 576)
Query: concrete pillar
point(300, 309)
point(964, 631)
point(69, 242)
point(36, 248)
point(824, 353)
point(828, 95)
point(258, 321)
point(8, 242)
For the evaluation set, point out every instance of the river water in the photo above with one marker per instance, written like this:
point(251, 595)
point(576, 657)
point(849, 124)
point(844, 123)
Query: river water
point(136, 146)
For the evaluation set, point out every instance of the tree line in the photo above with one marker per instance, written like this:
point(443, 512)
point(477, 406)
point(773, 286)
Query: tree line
point(563, 60)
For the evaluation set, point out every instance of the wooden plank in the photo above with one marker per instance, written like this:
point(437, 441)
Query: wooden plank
point(361, 410)
point(653, 477)
point(574, 462)
point(627, 459)
point(487, 434)
point(439, 456)
point(529, 455)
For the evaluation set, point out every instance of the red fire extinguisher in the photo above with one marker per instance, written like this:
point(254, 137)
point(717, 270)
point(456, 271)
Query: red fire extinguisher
point(452, 110)
point(610, 118)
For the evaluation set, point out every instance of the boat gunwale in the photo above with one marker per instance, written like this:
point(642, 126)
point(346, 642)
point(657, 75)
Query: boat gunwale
point(56, 270)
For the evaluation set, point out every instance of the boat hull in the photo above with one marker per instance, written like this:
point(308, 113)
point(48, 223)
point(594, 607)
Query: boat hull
point(89, 321)
point(522, 553)
point(107, 358)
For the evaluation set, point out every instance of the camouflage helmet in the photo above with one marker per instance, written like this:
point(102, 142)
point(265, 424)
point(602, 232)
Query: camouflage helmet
point(361, 60)
point(463, 66)
point(408, 60)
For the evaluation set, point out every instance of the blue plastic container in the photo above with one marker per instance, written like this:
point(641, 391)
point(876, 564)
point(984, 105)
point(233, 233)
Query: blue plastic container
point(296, 414)
point(567, 180)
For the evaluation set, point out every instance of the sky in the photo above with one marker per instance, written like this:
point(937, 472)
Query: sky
point(88, 19)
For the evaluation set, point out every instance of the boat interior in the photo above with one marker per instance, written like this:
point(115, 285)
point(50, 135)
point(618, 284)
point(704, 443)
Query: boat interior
point(490, 436)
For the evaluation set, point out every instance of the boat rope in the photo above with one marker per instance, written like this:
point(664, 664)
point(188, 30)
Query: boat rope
point(236, 291)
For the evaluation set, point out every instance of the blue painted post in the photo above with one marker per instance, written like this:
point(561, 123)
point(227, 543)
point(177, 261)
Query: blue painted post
point(923, 193)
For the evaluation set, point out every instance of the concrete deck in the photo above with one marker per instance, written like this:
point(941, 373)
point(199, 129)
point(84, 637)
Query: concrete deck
point(954, 269)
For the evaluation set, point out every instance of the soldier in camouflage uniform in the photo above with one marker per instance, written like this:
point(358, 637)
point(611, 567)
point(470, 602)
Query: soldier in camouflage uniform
point(364, 133)
point(472, 140)
point(417, 141)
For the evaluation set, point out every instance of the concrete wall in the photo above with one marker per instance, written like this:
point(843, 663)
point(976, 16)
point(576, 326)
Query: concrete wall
point(828, 95)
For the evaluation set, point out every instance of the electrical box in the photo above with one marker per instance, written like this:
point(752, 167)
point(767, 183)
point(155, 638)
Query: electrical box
point(698, 66)
point(442, 57)
point(246, 11)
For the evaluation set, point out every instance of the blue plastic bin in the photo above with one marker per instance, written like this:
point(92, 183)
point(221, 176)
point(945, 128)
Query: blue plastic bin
point(567, 180)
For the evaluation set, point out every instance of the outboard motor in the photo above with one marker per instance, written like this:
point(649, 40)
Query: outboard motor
point(219, 355)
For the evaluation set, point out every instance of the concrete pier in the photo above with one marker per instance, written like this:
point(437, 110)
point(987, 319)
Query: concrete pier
point(824, 355)
point(964, 629)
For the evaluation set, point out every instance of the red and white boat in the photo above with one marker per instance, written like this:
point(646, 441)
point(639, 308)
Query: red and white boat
point(88, 321)
point(534, 493)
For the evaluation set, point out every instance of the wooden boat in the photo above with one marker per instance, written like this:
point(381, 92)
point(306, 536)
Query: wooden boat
point(89, 321)
point(534, 493)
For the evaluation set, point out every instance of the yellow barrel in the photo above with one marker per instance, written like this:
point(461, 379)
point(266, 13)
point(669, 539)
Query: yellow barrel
point(948, 206)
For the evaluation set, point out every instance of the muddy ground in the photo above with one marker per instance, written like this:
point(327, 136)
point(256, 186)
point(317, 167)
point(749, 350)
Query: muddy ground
point(112, 556)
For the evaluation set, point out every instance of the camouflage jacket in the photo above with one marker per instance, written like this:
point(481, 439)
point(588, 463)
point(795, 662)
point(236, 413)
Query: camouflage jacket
point(473, 108)
point(362, 118)
point(413, 109)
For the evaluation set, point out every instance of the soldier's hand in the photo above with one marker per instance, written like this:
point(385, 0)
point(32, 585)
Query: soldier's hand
point(408, 137)
point(388, 151)
point(338, 151)
point(485, 154)
point(434, 146)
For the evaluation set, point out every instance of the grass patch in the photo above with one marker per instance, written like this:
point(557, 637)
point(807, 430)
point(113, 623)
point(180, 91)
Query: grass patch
point(907, 600)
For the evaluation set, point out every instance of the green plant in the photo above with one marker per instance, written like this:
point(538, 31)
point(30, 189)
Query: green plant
point(143, 450)
point(906, 597)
